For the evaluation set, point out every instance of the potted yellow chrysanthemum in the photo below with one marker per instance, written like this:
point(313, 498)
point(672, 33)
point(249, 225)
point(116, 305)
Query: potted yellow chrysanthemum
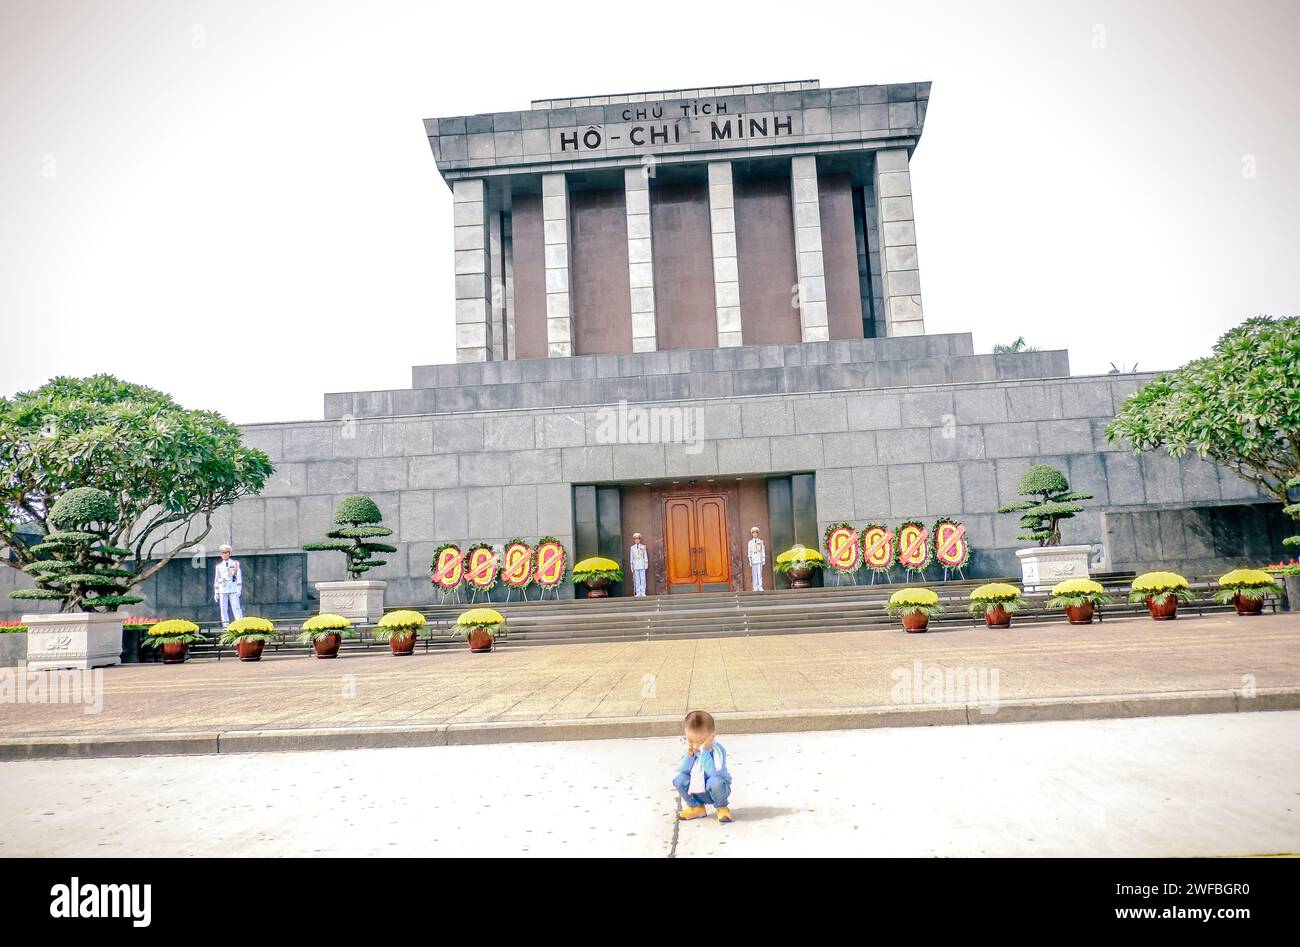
point(996, 601)
point(1246, 589)
point(249, 635)
point(174, 636)
point(1162, 591)
point(1079, 598)
point(481, 627)
point(597, 574)
point(400, 629)
point(915, 607)
point(797, 564)
point(325, 632)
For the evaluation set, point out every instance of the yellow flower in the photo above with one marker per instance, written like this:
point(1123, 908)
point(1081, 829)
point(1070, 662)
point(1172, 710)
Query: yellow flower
point(481, 616)
point(1159, 582)
point(326, 622)
point(1077, 587)
point(403, 618)
point(1246, 578)
point(914, 597)
point(596, 564)
point(797, 553)
point(174, 626)
point(994, 592)
point(251, 624)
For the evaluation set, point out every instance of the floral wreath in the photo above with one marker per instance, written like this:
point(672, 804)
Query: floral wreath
point(852, 546)
point(926, 550)
point(542, 544)
point(530, 557)
point(433, 568)
point(963, 543)
point(489, 580)
point(890, 547)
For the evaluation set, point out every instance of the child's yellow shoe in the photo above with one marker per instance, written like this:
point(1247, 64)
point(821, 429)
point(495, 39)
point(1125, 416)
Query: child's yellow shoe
point(724, 815)
point(690, 812)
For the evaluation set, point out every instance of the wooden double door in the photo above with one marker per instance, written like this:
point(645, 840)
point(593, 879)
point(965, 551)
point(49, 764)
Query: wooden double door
point(697, 551)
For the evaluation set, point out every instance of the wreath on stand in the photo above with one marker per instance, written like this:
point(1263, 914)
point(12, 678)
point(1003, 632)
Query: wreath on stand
point(951, 545)
point(517, 559)
point(879, 548)
point(482, 567)
point(915, 551)
point(843, 554)
point(552, 563)
point(447, 569)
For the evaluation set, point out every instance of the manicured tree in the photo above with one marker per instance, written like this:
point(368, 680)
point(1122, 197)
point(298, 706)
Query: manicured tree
point(1240, 407)
point(83, 571)
point(1051, 501)
point(165, 469)
point(358, 519)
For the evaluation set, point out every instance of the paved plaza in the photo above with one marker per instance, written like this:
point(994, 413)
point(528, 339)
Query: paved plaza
point(1223, 784)
point(781, 682)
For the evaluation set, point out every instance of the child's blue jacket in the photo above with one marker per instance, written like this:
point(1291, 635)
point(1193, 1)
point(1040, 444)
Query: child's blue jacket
point(712, 764)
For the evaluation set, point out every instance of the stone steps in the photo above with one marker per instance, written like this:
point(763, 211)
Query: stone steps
point(721, 614)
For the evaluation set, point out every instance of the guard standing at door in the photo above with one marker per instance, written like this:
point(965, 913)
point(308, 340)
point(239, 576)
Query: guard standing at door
point(638, 558)
point(757, 551)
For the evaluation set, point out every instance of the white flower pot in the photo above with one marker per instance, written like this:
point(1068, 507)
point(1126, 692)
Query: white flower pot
point(361, 600)
point(1043, 566)
point(78, 640)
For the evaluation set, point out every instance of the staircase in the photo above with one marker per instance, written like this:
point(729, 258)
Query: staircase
point(714, 615)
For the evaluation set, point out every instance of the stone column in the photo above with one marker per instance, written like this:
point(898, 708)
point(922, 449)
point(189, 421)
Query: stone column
point(555, 237)
point(497, 286)
point(726, 275)
point(473, 292)
point(813, 322)
point(640, 259)
point(898, 267)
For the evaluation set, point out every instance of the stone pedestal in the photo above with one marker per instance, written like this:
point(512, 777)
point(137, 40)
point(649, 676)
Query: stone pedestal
point(78, 640)
point(361, 600)
point(1291, 583)
point(1043, 566)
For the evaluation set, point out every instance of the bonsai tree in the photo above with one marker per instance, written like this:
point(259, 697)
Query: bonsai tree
point(165, 469)
point(1239, 407)
point(357, 518)
point(1051, 501)
point(82, 572)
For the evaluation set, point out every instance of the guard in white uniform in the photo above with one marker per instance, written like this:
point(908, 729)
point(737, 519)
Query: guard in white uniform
point(638, 559)
point(228, 586)
point(757, 551)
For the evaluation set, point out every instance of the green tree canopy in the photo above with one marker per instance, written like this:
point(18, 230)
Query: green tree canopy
point(165, 470)
point(1239, 407)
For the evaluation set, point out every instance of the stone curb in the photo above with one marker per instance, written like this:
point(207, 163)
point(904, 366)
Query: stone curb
point(1107, 707)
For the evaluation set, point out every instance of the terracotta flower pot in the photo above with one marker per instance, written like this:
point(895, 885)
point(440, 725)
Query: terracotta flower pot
point(480, 640)
point(175, 652)
point(249, 650)
point(597, 587)
point(802, 579)
point(327, 646)
point(997, 617)
point(915, 622)
point(1166, 611)
point(1080, 614)
point(1246, 606)
point(402, 643)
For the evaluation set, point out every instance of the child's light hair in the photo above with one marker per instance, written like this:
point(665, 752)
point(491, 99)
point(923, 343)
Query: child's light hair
point(699, 721)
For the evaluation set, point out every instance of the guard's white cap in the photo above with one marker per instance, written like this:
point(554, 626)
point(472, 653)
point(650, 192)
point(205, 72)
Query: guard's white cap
point(753, 529)
point(225, 548)
point(635, 535)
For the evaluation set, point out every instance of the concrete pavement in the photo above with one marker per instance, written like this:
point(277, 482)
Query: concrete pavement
point(1196, 785)
point(1125, 667)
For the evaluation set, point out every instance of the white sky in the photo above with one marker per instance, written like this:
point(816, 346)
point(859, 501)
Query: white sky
point(235, 201)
